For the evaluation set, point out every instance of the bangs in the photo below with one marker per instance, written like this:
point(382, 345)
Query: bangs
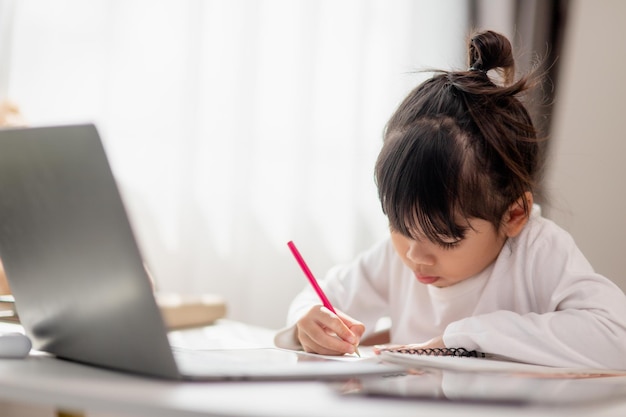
point(419, 177)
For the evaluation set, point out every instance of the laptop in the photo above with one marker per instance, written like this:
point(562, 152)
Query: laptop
point(78, 278)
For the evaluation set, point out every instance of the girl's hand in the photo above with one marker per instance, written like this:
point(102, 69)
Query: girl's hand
point(435, 342)
point(321, 331)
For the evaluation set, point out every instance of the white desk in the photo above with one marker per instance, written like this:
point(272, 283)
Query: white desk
point(49, 382)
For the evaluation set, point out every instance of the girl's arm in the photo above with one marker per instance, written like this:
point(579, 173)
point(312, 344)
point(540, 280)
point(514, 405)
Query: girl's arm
point(357, 290)
point(579, 318)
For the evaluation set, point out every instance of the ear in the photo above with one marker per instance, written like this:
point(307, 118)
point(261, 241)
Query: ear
point(516, 217)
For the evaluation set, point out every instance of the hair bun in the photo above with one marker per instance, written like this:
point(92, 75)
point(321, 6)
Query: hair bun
point(490, 50)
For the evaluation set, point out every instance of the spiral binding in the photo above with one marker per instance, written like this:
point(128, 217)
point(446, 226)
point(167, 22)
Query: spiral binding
point(461, 352)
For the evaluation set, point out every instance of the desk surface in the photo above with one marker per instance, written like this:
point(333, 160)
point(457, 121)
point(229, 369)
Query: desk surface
point(47, 381)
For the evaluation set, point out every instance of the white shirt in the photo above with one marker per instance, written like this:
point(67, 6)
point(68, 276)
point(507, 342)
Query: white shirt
point(539, 302)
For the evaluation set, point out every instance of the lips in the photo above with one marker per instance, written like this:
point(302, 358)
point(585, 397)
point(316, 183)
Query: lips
point(426, 279)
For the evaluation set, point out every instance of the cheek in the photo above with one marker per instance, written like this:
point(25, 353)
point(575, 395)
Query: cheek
point(400, 244)
point(476, 255)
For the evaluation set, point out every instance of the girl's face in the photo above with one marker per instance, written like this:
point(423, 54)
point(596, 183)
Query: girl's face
point(442, 266)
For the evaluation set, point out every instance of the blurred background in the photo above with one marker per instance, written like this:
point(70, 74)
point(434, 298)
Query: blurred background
point(234, 126)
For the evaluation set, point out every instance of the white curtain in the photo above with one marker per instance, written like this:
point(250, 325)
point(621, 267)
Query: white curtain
point(234, 126)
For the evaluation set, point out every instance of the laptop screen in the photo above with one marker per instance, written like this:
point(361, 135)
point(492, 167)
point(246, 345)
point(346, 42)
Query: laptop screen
point(70, 256)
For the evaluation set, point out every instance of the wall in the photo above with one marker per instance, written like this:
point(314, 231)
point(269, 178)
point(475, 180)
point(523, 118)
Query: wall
point(587, 171)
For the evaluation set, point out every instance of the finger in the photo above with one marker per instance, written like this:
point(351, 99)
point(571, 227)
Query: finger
point(318, 332)
point(356, 327)
point(380, 348)
point(332, 324)
point(322, 331)
point(357, 330)
point(340, 325)
point(318, 340)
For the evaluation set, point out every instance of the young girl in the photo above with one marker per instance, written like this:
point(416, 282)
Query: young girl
point(470, 261)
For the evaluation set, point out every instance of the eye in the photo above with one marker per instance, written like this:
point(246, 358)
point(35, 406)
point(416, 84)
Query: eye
point(452, 242)
point(449, 245)
point(448, 242)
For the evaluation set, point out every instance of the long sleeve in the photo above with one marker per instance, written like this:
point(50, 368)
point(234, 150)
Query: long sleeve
point(358, 289)
point(539, 302)
point(557, 310)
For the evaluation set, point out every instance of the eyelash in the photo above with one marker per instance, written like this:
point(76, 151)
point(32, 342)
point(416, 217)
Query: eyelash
point(449, 246)
point(443, 245)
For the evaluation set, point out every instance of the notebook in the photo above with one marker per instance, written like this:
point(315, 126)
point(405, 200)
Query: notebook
point(78, 278)
point(462, 375)
point(472, 361)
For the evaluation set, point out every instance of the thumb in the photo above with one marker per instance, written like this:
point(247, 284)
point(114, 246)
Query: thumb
point(356, 327)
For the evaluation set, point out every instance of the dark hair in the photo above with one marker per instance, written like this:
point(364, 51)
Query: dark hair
point(459, 145)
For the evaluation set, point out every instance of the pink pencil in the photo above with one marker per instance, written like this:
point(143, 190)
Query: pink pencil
point(313, 281)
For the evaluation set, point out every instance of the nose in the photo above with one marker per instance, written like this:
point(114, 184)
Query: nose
point(419, 253)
